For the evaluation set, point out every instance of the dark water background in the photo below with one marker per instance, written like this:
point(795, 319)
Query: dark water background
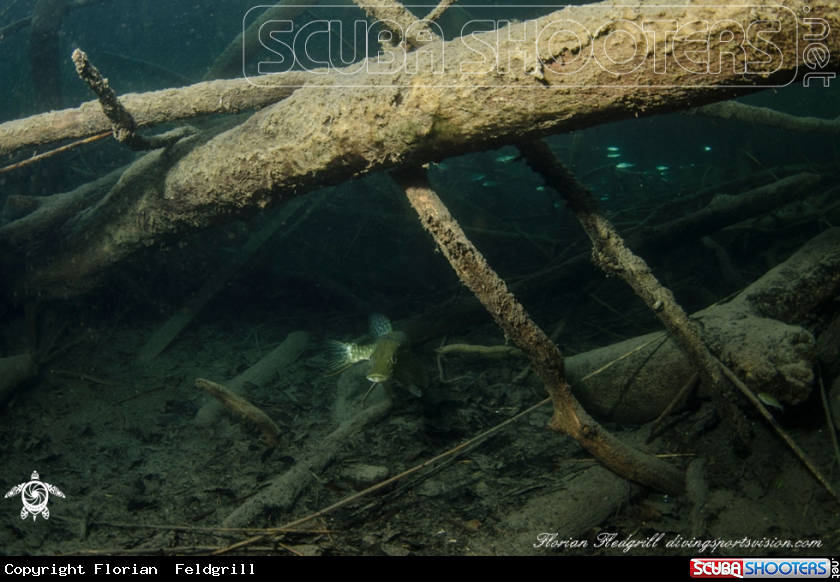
point(366, 238)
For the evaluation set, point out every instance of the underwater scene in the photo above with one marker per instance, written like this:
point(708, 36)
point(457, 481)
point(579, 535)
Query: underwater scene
point(440, 278)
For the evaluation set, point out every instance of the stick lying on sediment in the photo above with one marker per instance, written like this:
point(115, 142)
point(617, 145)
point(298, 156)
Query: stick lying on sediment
point(488, 351)
point(243, 409)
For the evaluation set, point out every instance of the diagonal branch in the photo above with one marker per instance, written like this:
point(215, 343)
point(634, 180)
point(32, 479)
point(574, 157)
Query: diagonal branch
point(400, 21)
point(378, 118)
point(765, 116)
point(147, 109)
point(123, 125)
point(569, 416)
point(438, 11)
point(615, 258)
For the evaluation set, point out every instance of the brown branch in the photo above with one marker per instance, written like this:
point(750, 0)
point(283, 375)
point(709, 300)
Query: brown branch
point(50, 153)
point(381, 485)
point(779, 430)
point(411, 29)
point(243, 409)
point(380, 118)
point(45, 214)
point(547, 361)
point(724, 210)
point(438, 11)
point(122, 123)
point(765, 116)
point(615, 258)
point(147, 109)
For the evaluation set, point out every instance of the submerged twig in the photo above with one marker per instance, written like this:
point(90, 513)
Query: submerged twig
point(765, 116)
point(438, 11)
point(243, 409)
point(51, 153)
point(779, 430)
point(487, 351)
point(122, 123)
point(678, 399)
point(832, 430)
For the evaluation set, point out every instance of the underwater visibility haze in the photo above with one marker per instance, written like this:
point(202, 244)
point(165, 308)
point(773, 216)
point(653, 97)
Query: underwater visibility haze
point(492, 279)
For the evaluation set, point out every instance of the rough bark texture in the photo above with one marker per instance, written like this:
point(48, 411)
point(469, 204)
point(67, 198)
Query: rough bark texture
point(43, 214)
point(414, 32)
point(546, 360)
point(324, 134)
point(765, 335)
point(617, 259)
point(764, 116)
point(278, 496)
point(147, 109)
point(243, 409)
point(273, 363)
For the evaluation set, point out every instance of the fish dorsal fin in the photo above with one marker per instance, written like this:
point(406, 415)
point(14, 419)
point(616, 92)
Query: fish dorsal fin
point(379, 325)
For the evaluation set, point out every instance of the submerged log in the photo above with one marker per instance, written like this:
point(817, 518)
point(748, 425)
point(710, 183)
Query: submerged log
point(334, 129)
point(765, 335)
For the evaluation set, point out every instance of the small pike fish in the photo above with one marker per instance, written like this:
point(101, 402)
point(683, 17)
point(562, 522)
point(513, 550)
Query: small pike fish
point(769, 400)
point(389, 356)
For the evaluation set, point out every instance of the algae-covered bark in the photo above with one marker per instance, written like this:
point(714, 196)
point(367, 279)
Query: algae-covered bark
point(617, 259)
point(546, 360)
point(325, 133)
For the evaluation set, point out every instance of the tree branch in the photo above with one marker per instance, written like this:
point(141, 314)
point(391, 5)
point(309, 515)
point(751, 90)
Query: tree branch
point(615, 258)
point(546, 360)
point(379, 118)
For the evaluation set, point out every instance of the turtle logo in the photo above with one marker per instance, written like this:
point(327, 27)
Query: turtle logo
point(35, 495)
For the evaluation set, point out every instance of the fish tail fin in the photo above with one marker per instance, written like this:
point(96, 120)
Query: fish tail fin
point(340, 357)
point(379, 325)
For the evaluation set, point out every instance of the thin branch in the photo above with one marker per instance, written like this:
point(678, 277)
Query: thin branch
point(400, 21)
point(569, 416)
point(122, 123)
point(832, 430)
point(779, 430)
point(765, 116)
point(147, 109)
point(615, 258)
point(440, 9)
point(50, 153)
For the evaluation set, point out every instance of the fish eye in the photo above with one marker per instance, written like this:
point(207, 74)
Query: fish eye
point(394, 359)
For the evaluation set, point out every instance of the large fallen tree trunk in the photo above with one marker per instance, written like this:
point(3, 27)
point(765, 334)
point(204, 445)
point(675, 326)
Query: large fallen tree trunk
point(765, 335)
point(384, 117)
